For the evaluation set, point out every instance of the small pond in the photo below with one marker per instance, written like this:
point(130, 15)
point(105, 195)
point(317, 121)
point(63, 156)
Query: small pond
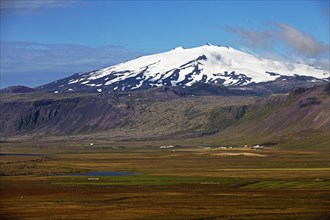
point(104, 173)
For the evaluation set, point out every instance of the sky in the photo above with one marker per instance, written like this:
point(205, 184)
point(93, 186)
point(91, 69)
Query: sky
point(45, 40)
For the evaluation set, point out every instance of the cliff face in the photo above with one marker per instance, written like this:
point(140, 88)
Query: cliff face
point(66, 116)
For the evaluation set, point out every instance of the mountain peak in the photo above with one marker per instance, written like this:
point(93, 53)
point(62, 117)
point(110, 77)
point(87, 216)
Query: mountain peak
point(179, 48)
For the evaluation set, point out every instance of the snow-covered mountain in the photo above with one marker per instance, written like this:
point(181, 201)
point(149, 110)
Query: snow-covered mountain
point(184, 68)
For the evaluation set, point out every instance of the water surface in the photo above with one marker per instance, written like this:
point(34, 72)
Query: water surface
point(104, 173)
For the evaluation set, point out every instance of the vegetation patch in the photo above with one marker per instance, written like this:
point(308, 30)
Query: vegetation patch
point(316, 184)
point(143, 180)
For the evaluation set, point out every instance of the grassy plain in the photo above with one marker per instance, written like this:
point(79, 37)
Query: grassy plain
point(176, 183)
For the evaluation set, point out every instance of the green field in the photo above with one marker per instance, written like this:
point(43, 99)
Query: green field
point(184, 183)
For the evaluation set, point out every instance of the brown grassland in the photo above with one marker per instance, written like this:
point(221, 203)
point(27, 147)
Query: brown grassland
point(177, 183)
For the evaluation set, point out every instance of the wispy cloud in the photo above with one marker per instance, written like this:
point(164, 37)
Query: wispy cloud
point(13, 6)
point(301, 42)
point(295, 44)
point(49, 62)
point(252, 38)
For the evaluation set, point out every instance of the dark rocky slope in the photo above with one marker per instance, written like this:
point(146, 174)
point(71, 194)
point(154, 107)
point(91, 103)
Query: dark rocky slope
point(152, 113)
point(300, 118)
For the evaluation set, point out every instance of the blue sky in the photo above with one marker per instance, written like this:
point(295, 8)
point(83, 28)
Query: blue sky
point(42, 41)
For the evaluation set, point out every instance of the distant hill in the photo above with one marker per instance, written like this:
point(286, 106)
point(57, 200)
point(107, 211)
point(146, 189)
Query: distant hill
point(17, 89)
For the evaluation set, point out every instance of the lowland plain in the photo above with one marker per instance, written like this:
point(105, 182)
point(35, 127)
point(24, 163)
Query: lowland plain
point(176, 183)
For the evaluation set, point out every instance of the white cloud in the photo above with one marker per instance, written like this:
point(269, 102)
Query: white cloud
point(12, 6)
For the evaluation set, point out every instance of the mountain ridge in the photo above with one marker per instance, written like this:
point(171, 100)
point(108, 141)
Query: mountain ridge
point(161, 114)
